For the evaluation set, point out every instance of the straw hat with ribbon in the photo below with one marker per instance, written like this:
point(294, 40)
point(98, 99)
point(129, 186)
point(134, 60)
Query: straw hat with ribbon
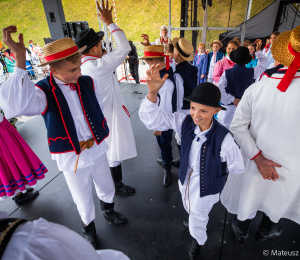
point(184, 48)
point(156, 51)
point(217, 42)
point(286, 50)
point(60, 49)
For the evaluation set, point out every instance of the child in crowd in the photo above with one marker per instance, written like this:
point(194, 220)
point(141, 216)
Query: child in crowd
point(213, 58)
point(246, 43)
point(208, 151)
point(225, 63)
point(254, 60)
point(167, 103)
point(238, 40)
point(169, 48)
point(236, 80)
point(200, 61)
point(10, 62)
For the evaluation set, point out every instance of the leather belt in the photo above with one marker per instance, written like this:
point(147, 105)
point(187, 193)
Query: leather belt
point(84, 145)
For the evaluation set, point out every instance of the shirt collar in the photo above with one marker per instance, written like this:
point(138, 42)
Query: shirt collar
point(198, 132)
point(227, 57)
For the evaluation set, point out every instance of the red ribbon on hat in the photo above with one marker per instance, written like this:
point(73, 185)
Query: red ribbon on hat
point(291, 71)
point(152, 53)
point(61, 54)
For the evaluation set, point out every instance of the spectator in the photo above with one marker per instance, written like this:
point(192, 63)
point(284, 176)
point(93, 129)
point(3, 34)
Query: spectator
point(238, 40)
point(10, 62)
point(246, 43)
point(200, 61)
point(254, 60)
point(164, 38)
point(133, 62)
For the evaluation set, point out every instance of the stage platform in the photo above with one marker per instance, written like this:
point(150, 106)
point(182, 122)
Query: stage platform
point(154, 213)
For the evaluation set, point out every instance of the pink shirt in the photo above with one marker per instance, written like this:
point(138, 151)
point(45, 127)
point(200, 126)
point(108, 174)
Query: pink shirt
point(220, 67)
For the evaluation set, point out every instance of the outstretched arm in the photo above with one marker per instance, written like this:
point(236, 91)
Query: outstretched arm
point(18, 95)
point(149, 112)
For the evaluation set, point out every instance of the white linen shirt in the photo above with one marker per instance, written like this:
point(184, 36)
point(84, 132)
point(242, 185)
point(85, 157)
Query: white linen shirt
point(19, 96)
point(154, 119)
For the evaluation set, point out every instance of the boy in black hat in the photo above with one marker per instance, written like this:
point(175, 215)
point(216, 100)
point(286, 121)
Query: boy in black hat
point(208, 150)
point(236, 80)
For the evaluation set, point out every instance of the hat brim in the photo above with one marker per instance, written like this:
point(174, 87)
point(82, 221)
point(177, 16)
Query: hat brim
point(280, 50)
point(101, 35)
point(52, 61)
point(239, 61)
point(175, 41)
point(217, 42)
point(202, 101)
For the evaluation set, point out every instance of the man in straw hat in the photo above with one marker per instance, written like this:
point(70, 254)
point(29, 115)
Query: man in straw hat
point(101, 67)
point(236, 80)
point(266, 129)
point(213, 57)
point(208, 150)
point(71, 105)
point(154, 55)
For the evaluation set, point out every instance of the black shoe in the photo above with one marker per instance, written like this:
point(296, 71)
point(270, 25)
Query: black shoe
point(241, 230)
point(167, 175)
point(26, 197)
point(111, 215)
point(186, 224)
point(268, 229)
point(29, 189)
point(89, 233)
point(194, 250)
point(176, 162)
point(124, 189)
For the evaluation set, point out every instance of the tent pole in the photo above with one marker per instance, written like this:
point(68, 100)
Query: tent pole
point(170, 26)
point(248, 10)
point(205, 14)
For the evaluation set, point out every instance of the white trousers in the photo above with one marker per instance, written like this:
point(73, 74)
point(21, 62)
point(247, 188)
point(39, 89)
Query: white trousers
point(114, 163)
point(81, 189)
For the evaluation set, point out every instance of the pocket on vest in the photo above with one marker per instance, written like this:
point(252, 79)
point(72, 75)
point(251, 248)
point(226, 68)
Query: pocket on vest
point(221, 180)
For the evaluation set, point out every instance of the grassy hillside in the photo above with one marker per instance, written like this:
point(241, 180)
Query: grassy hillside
point(134, 17)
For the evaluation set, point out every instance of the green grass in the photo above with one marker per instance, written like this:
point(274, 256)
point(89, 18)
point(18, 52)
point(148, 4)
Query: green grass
point(134, 17)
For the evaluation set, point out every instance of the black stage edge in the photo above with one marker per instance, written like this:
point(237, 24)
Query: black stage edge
point(155, 213)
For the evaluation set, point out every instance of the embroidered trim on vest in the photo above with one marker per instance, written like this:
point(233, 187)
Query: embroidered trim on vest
point(56, 139)
point(53, 91)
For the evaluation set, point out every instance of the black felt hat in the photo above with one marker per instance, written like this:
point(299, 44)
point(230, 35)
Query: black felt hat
point(206, 94)
point(89, 38)
point(241, 56)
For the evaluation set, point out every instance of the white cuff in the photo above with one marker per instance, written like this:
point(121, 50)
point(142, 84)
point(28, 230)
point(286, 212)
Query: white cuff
point(112, 27)
point(19, 72)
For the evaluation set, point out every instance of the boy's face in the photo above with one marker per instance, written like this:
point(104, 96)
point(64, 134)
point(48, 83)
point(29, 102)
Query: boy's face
point(67, 72)
point(201, 114)
point(215, 47)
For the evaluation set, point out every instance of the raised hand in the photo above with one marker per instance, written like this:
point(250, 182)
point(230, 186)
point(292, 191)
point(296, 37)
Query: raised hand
point(18, 48)
point(266, 168)
point(145, 40)
point(154, 82)
point(105, 14)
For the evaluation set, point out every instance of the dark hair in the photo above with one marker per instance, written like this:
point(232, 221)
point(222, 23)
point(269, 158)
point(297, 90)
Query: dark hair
point(170, 47)
point(252, 45)
point(268, 38)
point(238, 39)
point(247, 41)
point(276, 33)
point(233, 42)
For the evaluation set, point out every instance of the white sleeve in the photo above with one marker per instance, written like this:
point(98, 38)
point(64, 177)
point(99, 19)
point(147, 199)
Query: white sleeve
point(231, 154)
point(166, 93)
point(113, 59)
point(240, 125)
point(226, 98)
point(157, 120)
point(19, 96)
point(180, 91)
point(262, 64)
point(98, 93)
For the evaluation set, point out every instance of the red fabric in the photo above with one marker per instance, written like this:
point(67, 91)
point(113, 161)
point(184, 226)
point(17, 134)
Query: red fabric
point(291, 71)
point(256, 156)
point(73, 86)
point(152, 53)
point(61, 54)
point(267, 47)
